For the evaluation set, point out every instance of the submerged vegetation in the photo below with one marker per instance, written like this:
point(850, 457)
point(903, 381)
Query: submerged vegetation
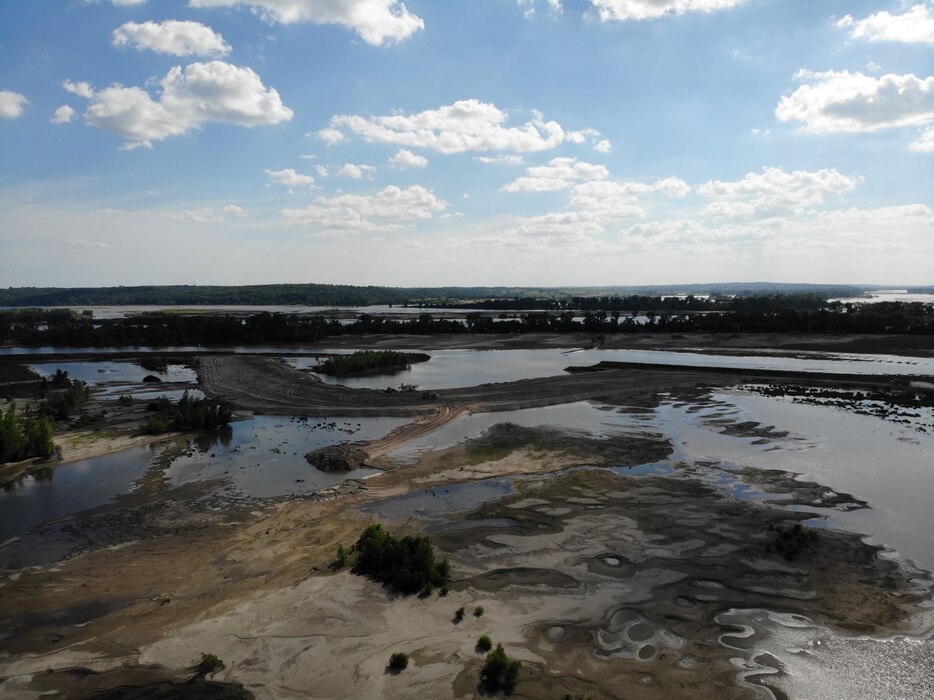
point(187, 414)
point(367, 362)
point(404, 565)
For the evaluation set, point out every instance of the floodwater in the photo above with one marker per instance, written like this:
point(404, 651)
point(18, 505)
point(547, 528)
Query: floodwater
point(94, 373)
point(258, 458)
point(449, 369)
point(889, 295)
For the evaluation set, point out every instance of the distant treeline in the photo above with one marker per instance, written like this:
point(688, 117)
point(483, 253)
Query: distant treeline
point(64, 329)
point(346, 295)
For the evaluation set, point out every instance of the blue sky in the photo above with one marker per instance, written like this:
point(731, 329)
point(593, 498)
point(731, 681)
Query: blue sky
point(535, 142)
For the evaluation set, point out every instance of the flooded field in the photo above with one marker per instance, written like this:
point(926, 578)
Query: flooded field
point(626, 542)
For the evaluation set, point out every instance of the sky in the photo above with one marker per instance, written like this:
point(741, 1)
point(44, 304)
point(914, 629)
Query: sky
point(441, 143)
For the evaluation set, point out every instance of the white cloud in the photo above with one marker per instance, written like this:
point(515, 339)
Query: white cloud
point(84, 243)
point(852, 102)
point(127, 3)
point(81, 89)
point(236, 210)
point(466, 125)
point(924, 143)
point(774, 192)
point(354, 171)
point(916, 26)
point(190, 98)
point(501, 160)
point(63, 115)
point(377, 22)
point(178, 38)
point(559, 174)
point(308, 156)
point(387, 208)
point(12, 104)
point(603, 146)
point(290, 178)
point(406, 159)
point(322, 170)
point(595, 205)
point(331, 136)
point(622, 10)
point(613, 199)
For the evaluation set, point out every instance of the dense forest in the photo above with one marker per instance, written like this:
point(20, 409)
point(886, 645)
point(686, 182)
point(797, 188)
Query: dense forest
point(761, 315)
point(346, 295)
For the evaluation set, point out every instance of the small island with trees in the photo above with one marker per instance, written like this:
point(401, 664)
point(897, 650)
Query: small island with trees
point(366, 362)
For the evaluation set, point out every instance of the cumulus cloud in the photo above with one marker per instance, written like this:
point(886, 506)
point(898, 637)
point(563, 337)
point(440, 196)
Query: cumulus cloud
point(290, 178)
point(63, 115)
point(331, 136)
point(621, 10)
point(388, 208)
point(81, 89)
point(127, 3)
point(406, 159)
point(852, 102)
point(190, 98)
point(378, 22)
point(774, 191)
point(355, 171)
point(916, 26)
point(466, 125)
point(558, 174)
point(598, 203)
point(178, 38)
point(235, 210)
point(603, 146)
point(12, 104)
point(924, 143)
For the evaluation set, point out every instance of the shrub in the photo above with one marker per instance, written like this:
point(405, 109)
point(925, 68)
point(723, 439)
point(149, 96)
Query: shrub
point(499, 672)
point(399, 661)
point(484, 644)
point(791, 541)
point(444, 590)
point(458, 615)
point(478, 611)
point(125, 400)
point(209, 664)
point(404, 565)
point(340, 561)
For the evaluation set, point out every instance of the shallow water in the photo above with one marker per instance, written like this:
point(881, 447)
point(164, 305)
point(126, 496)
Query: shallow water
point(889, 465)
point(449, 369)
point(261, 458)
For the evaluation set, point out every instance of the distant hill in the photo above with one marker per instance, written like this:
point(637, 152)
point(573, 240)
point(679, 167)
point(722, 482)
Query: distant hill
point(346, 295)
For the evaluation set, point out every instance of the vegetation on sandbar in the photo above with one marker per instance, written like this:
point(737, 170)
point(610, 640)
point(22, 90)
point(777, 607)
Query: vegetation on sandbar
point(23, 437)
point(404, 565)
point(368, 362)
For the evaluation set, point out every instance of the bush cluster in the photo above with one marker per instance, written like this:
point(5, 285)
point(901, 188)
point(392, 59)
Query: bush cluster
point(24, 437)
point(186, 415)
point(403, 565)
